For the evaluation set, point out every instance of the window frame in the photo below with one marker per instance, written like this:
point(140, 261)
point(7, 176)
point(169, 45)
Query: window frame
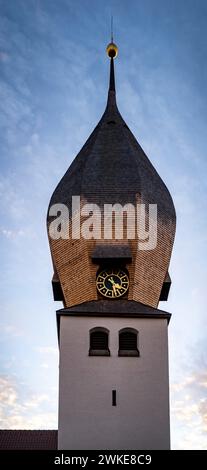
point(99, 352)
point(129, 352)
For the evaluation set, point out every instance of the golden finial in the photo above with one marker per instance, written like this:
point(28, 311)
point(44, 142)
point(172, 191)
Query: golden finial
point(112, 49)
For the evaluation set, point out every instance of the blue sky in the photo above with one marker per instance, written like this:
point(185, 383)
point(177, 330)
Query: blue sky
point(53, 88)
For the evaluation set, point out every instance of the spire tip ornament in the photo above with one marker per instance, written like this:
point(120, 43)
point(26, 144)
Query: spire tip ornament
point(112, 50)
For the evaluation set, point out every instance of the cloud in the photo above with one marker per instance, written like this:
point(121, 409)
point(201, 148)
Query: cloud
point(36, 400)
point(48, 350)
point(4, 57)
point(11, 331)
point(50, 354)
point(190, 418)
point(13, 201)
point(18, 413)
point(11, 234)
point(44, 365)
point(8, 395)
point(189, 411)
point(177, 387)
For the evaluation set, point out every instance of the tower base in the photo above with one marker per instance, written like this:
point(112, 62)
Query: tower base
point(113, 401)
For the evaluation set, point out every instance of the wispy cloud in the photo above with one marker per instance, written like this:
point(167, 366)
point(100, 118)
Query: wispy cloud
point(36, 400)
point(11, 330)
point(189, 411)
point(11, 234)
point(16, 413)
point(51, 350)
point(4, 57)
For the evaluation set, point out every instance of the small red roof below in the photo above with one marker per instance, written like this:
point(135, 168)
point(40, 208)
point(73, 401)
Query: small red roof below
point(28, 440)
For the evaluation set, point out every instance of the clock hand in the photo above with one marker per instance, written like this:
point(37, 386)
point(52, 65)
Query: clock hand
point(114, 289)
point(118, 286)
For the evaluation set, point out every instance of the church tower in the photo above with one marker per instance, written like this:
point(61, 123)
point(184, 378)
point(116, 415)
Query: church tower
point(113, 340)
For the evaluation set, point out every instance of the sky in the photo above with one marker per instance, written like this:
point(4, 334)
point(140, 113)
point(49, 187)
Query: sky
point(53, 89)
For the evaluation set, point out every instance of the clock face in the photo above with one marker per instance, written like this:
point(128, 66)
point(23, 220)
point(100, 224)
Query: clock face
point(112, 283)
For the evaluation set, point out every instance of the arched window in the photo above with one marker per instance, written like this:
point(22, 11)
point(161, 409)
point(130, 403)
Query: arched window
point(99, 342)
point(128, 339)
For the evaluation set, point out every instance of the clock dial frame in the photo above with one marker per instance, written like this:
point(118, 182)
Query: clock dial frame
point(112, 283)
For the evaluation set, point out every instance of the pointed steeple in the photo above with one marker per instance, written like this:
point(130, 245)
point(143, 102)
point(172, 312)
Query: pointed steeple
point(112, 168)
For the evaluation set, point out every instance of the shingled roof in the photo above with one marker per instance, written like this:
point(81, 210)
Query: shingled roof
point(28, 439)
point(113, 168)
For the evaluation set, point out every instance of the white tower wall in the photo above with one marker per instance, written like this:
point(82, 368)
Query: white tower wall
point(87, 419)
